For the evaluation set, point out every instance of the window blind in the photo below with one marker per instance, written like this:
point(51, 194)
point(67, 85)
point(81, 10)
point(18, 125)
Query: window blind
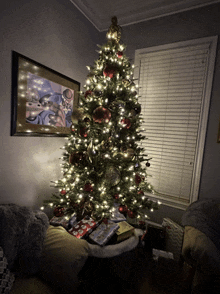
point(172, 89)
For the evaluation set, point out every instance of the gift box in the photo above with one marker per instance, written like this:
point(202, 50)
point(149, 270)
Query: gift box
point(103, 233)
point(72, 221)
point(116, 216)
point(60, 221)
point(83, 228)
point(124, 231)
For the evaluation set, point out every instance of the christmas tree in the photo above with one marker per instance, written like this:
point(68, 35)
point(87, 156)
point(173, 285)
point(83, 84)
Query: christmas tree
point(104, 165)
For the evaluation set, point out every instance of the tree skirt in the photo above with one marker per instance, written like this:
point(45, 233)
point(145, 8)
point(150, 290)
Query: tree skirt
point(116, 249)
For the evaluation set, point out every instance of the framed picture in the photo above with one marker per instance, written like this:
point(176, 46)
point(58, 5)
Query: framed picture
point(42, 99)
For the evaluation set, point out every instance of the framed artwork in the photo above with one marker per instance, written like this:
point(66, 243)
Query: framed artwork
point(42, 99)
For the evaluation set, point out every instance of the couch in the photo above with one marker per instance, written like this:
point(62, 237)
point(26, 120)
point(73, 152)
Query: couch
point(201, 245)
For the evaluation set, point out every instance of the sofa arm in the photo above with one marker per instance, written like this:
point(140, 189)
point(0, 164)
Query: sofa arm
point(200, 252)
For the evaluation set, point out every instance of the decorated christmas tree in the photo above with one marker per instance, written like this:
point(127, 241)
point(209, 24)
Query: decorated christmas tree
point(104, 164)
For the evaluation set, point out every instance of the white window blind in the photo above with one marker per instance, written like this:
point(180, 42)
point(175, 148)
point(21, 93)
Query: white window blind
point(174, 88)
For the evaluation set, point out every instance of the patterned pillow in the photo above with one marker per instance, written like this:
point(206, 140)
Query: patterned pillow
point(6, 277)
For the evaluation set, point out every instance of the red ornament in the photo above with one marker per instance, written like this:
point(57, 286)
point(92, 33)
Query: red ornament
point(116, 196)
point(130, 213)
point(83, 133)
point(137, 179)
point(88, 187)
point(109, 72)
point(140, 192)
point(63, 192)
point(88, 92)
point(122, 209)
point(101, 114)
point(126, 123)
point(58, 211)
point(119, 54)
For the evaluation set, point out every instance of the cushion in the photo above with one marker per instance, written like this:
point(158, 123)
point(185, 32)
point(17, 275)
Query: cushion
point(63, 256)
point(33, 285)
point(22, 235)
point(198, 250)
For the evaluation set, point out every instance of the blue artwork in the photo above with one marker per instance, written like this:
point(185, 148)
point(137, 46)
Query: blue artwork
point(48, 103)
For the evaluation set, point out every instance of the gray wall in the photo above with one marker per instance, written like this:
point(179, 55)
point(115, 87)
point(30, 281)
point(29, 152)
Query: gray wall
point(58, 36)
point(202, 22)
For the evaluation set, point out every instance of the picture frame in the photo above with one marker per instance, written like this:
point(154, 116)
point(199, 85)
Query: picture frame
point(42, 99)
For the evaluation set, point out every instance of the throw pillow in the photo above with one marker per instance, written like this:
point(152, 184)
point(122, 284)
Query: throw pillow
point(63, 257)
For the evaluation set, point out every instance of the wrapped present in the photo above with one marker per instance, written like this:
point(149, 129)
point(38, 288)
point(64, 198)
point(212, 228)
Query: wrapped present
point(60, 221)
point(174, 237)
point(116, 216)
point(124, 231)
point(104, 232)
point(83, 228)
point(72, 221)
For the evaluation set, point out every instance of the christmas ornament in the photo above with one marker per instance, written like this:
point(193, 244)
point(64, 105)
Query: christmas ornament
point(140, 192)
point(101, 114)
point(58, 211)
point(137, 109)
point(130, 213)
point(63, 192)
point(83, 132)
point(114, 31)
point(116, 196)
point(126, 123)
point(126, 83)
point(112, 176)
point(88, 187)
point(137, 179)
point(88, 93)
point(123, 209)
point(109, 71)
point(147, 164)
point(119, 54)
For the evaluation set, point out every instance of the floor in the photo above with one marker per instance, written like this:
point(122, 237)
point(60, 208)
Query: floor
point(135, 272)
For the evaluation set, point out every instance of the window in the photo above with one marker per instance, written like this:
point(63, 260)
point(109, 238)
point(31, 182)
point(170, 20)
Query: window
point(175, 83)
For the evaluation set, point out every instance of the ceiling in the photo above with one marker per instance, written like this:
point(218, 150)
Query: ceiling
point(99, 12)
